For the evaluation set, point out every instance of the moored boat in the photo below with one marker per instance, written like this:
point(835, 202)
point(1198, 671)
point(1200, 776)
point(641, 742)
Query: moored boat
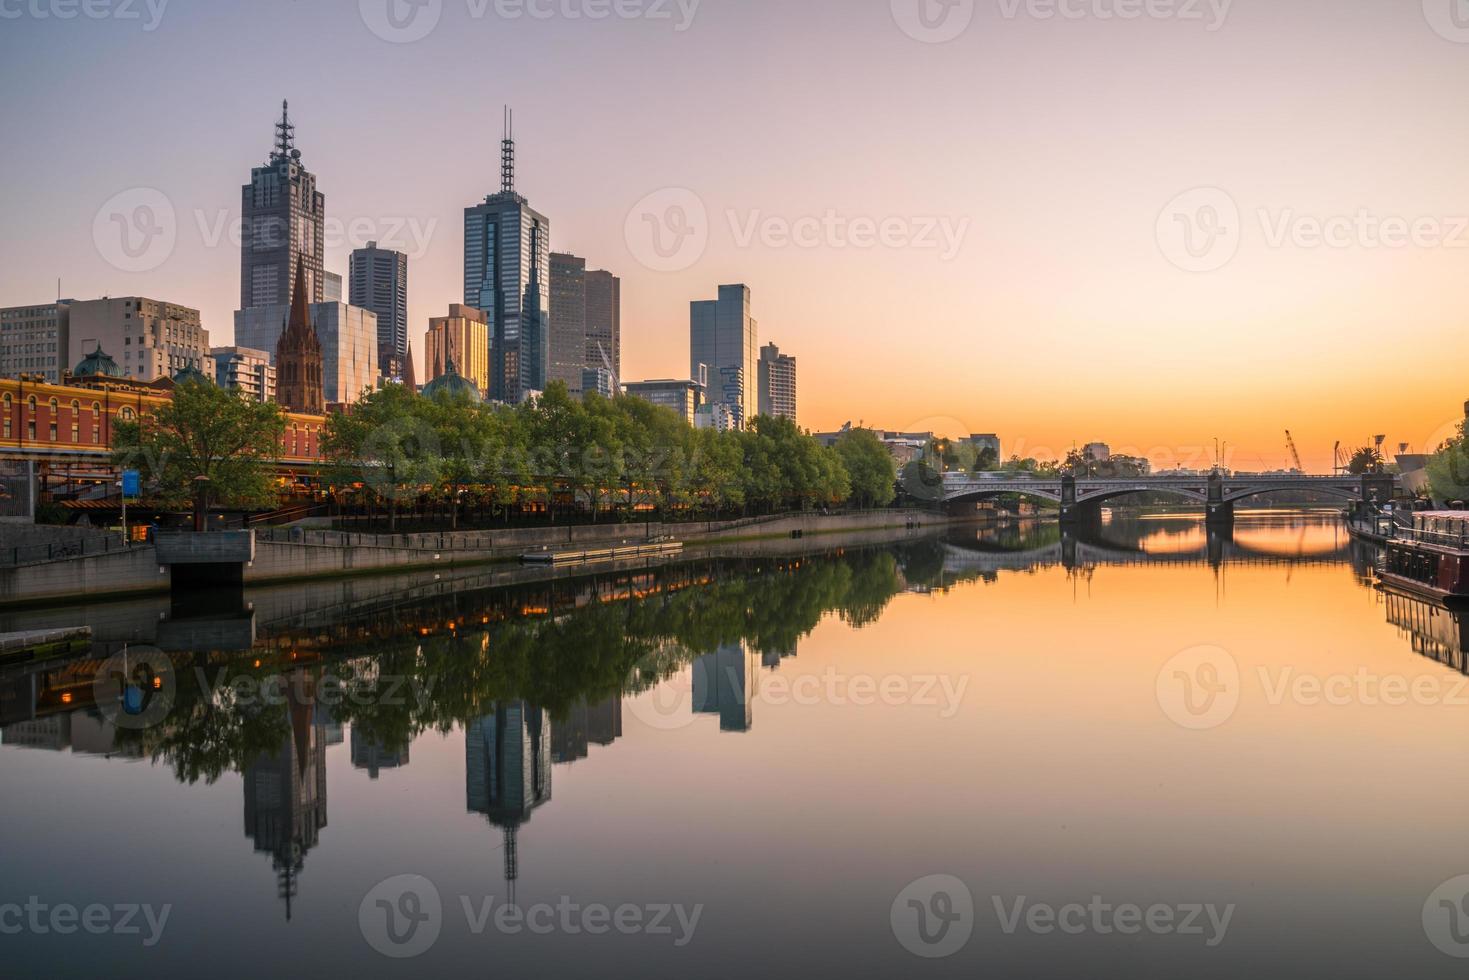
point(1430, 555)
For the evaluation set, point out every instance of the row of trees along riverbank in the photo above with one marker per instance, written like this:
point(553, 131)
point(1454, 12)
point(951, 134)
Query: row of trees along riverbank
point(561, 457)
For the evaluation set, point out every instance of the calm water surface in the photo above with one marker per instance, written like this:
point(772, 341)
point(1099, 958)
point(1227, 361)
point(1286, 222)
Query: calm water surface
point(1147, 751)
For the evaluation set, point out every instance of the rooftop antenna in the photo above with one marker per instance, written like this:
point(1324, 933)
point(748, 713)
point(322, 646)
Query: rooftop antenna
point(507, 154)
point(285, 133)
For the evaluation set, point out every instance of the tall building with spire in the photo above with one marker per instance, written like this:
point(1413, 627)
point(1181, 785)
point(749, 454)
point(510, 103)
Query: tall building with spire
point(283, 216)
point(285, 791)
point(507, 762)
point(507, 256)
point(298, 357)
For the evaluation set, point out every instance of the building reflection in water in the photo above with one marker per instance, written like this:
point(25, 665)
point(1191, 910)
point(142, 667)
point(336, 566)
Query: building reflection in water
point(373, 755)
point(770, 659)
point(507, 761)
point(585, 725)
point(285, 791)
point(724, 685)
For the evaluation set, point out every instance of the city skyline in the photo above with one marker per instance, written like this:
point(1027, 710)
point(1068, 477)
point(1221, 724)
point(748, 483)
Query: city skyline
point(1059, 257)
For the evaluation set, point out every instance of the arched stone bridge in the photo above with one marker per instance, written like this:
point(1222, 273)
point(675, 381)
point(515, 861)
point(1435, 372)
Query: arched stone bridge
point(1080, 498)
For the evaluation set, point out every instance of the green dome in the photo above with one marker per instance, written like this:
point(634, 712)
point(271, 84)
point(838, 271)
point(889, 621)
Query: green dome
point(191, 375)
point(98, 364)
point(453, 384)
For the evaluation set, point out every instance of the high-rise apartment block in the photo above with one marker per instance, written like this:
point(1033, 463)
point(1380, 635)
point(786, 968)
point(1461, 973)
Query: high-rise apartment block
point(777, 383)
point(244, 369)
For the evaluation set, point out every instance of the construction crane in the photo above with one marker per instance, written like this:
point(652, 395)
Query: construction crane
point(1341, 461)
point(1295, 455)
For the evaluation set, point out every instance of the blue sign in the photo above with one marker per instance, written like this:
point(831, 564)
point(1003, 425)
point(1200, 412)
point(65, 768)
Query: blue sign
point(131, 484)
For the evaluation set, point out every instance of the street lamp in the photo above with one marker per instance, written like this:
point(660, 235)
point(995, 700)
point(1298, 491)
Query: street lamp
point(122, 492)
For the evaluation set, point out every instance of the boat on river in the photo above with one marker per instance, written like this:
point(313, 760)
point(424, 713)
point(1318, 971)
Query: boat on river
point(1428, 553)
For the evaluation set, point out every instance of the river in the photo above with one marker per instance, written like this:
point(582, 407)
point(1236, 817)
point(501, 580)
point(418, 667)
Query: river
point(1148, 750)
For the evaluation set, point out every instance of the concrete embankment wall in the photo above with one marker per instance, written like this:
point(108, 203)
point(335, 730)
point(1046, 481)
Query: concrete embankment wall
point(284, 555)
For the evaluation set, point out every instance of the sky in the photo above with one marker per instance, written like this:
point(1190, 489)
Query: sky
point(1155, 223)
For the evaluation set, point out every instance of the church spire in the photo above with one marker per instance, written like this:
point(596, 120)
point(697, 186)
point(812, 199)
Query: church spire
point(298, 360)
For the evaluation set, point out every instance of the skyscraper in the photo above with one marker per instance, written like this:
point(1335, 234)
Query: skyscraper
point(604, 323)
point(777, 383)
point(507, 254)
point(282, 219)
point(723, 338)
point(568, 319)
point(378, 281)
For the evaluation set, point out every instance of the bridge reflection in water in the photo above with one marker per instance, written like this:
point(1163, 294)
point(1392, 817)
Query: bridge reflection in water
point(1150, 539)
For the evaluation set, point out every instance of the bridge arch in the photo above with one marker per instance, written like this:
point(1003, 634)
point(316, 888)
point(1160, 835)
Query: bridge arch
point(1083, 496)
point(978, 495)
point(1342, 492)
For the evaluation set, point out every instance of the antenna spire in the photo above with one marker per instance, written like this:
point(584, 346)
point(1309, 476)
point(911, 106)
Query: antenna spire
point(507, 154)
point(285, 134)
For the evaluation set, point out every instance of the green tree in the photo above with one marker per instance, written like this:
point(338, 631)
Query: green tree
point(1448, 469)
point(388, 441)
point(869, 466)
point(465, 434)
point(207, 446)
